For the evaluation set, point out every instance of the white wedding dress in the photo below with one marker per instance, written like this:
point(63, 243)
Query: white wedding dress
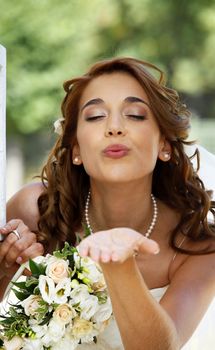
point(202, 339)
point(204, 336)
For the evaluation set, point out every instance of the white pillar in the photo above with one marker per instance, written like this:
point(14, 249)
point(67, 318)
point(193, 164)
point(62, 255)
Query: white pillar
point(2, 136)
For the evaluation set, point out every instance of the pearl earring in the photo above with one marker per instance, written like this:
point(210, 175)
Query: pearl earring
point(76, 160)
point(166, 155)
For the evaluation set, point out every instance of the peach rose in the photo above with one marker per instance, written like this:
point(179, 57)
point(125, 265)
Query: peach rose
point(31, 304)
point(81, 327)
point(15, 343)
point(64, 313)
point(57, 269)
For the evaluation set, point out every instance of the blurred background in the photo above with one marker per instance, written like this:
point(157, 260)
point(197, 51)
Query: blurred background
point(49, 41)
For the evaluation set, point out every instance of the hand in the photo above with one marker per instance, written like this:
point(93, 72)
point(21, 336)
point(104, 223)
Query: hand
point(116, 245)
point(14, 251)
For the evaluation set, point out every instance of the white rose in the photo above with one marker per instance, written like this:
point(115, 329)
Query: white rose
point(15, 343)
point(47, 288)
point(62, 291)
point(80, 292)
point(103, 312)
point(57, 269)
point(88, 307)
point(33, 344)
point(31, 304)
point(54, 333)
point(64, 313)
point(83, 330)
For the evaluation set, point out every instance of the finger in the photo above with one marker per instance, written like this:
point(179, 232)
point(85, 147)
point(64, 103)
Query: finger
point(94, 253)
point(83, 248)
point(19, 246)
point(6, 245)
point(105, 256)
point(36, 249)
point(11, 238)
point(10, 226)
point(146, 245)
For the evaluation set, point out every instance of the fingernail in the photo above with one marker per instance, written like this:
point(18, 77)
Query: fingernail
point(19, 260)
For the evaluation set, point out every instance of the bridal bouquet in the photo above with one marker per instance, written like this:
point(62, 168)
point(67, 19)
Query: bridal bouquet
point(62, 304)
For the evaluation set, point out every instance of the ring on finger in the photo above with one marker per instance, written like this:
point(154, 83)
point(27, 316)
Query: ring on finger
point(17, 234)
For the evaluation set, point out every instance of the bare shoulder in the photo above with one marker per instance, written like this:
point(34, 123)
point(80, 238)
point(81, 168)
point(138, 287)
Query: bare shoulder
point(23, 205)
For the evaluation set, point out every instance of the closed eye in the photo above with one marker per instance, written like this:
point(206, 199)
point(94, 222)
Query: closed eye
point(95, 117)
point(136, 116)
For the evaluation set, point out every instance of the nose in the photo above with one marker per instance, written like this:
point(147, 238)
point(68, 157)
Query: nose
point(115, 127)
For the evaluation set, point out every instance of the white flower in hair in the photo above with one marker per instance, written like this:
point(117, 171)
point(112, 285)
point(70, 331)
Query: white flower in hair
point(58, 129)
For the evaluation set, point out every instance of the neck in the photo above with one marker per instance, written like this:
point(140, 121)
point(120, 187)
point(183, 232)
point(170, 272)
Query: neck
point(120, 206)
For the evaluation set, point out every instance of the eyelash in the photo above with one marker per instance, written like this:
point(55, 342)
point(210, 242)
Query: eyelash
point(136, 116)
point(133, 116)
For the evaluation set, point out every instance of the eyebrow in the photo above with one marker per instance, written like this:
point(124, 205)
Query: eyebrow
point(94, 101)
point(130, 99)
point(133, 99)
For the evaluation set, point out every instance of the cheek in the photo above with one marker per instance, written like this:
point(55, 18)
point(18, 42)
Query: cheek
point(89, 140)
point(86, 151)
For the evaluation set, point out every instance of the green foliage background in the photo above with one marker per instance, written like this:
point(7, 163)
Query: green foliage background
point(49, 41)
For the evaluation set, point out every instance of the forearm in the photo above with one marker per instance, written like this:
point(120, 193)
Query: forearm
point(142, 322)
point(4, 281)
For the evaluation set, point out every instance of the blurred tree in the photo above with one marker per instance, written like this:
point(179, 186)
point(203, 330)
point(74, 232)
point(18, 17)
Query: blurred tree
point(44, 46)
point(49, 41)
point(178, 35)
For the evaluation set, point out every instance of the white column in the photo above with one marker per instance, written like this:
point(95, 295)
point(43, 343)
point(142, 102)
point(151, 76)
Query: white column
point(2, 136)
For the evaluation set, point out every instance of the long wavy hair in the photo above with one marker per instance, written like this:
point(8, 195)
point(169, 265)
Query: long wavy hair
point(175, 182)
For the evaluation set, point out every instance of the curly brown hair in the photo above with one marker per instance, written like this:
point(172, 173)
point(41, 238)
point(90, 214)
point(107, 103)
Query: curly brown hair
point(175, 182)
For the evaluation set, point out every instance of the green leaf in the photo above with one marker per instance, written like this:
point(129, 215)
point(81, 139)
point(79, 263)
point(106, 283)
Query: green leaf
point(20, 295)
point(32, 282)
point(7, 321)
point(66, 252)
point(86, 230)
point(36, 291)
point(21, 285)
point(36, 269)
point(46, 319)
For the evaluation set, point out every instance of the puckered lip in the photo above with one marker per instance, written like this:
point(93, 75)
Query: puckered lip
point(116, 151)
point(116, 148)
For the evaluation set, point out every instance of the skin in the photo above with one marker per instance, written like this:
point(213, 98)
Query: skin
point(117, 187)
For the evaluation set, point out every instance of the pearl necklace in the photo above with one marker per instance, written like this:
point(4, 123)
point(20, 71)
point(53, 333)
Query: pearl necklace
point(151, 226)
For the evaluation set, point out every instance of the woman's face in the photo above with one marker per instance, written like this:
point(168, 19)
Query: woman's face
point(118, 139)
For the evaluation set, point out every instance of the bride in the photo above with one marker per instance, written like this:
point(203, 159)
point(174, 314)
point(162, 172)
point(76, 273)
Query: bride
point(119, 166)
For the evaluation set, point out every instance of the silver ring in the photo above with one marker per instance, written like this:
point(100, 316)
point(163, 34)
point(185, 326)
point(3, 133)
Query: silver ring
point(17, 234)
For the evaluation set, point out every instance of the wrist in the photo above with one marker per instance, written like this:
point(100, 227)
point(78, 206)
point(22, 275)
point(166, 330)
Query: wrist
point(119, 267)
